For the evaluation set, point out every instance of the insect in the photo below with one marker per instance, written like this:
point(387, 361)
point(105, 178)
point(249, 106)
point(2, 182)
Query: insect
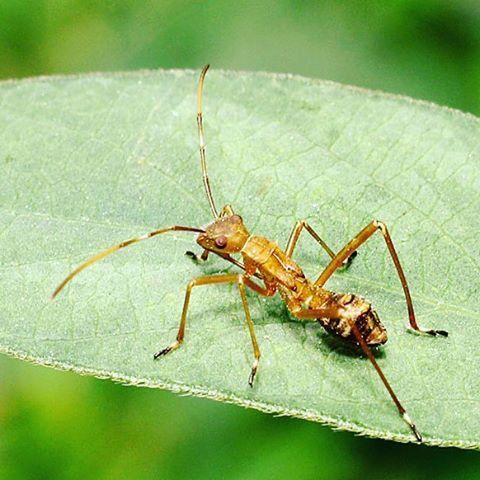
point(347, 316)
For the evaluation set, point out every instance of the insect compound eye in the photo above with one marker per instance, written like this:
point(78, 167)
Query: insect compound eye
point(236, 218)
point(221, 241)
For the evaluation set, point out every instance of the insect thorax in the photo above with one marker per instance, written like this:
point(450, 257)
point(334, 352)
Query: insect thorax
point(273, 263)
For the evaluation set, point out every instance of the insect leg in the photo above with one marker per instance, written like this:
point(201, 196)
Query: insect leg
point(333, 312)
point(352, 246)
point(314, 314)
point(294, 236)
point(198, 258)
point(256, 349)
point(210, 280)
point(400, 408)
point(203, 257)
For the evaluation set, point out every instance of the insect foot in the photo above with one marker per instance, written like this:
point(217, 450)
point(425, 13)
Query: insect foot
point(433, 333)
point(251, 377)
point(169, 349)
point(197, 258)
point(408, 420)
point(192, 255)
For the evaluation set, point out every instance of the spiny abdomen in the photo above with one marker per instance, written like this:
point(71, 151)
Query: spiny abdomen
point(357, 310)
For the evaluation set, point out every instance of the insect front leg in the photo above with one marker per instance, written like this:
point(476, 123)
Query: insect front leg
point(352, 246)
point(225, 256)
point(198, 258)
point(294, 236)
point(210, 280)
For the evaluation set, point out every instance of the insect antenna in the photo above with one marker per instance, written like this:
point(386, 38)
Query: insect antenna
point(201, 139)
point(115, 248)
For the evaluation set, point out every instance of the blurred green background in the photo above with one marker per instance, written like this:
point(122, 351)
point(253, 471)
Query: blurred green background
point(60, 425)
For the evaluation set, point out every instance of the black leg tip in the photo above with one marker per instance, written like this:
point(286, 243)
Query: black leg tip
point(435, 333)
point(251, 378)
point(162, 352)
point(412, 426)
point(190, 254)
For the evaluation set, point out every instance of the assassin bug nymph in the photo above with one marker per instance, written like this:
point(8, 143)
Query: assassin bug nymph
point(347, 316)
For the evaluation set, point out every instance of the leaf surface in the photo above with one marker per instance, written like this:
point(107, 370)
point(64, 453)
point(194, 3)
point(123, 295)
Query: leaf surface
point(89, 161)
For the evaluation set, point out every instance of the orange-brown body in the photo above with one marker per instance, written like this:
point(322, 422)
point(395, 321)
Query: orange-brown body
point(279, 272)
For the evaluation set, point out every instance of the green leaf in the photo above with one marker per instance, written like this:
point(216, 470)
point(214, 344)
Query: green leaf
point(89, 161)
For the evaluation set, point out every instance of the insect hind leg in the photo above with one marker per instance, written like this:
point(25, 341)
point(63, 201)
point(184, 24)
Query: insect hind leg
point(401, 410)
point(353, 245)
point(334, 311)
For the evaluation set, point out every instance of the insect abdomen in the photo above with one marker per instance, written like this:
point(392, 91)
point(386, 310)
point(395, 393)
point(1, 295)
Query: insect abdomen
point(353, 308)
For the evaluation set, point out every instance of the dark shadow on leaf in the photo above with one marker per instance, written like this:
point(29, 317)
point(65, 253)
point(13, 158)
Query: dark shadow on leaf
point(277, 310)
point(341, 347)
